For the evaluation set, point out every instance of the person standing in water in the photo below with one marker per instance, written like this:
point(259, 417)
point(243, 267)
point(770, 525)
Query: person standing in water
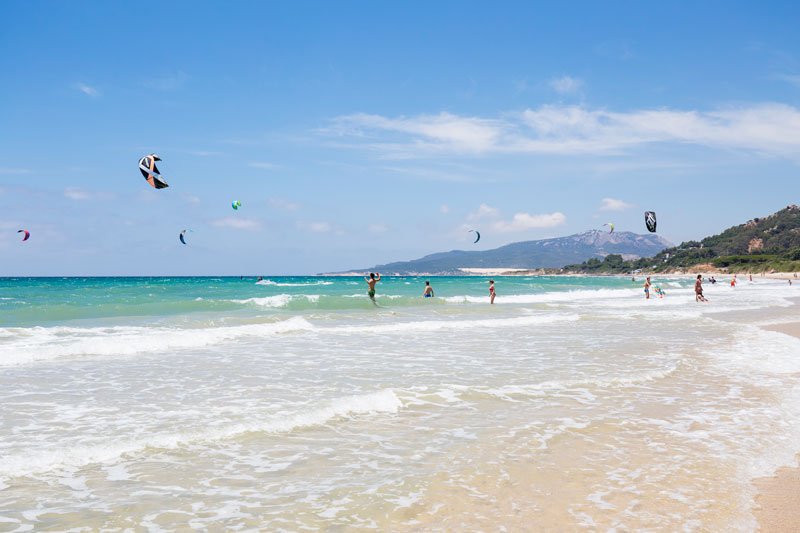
point(374, 277)
point(647, 288)
point(428, 292)
point(698, 289)
point(492, 294)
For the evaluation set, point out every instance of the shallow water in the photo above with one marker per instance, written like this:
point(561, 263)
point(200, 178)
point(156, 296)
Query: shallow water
point(295, 403)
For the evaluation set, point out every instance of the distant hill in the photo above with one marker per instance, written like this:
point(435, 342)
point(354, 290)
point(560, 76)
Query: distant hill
point(547, 253)
point(760, 244)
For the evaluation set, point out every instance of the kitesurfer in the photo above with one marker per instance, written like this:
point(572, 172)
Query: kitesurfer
point(374, 277)
point(428, 292)
point(492, 293)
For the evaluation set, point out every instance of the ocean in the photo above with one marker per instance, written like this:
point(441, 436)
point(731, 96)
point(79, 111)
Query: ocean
point(294, 403)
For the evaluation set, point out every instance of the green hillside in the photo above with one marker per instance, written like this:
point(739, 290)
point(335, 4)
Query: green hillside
point(763, 244)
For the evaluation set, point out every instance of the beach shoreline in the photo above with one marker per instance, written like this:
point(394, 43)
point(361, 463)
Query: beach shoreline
point(777, 503)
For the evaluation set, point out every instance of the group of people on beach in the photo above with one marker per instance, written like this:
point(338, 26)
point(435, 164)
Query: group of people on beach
point(375, 277)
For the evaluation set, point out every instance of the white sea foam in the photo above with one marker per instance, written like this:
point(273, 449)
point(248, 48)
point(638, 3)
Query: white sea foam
point(269, 282)
point(41, 344)
point(548, 297)
point(70, 457)
point(436, 325)
point(279, 300)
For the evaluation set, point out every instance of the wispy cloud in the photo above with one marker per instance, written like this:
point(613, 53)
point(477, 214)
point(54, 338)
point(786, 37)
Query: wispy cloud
point(566, 84)
point(526, 221)
point(283, 204)
point(793, 79)
point(78, 194)
point(378, 228)
point(237, 223)
point(73, 193)
point(315, 227)
point(264, 165)
point(613, 204)
point(484, 211)
point(168, 82)
point(10, 170)
point(444, 209)
point(204, 153)
point(88, 90)
point(767, 128)
point(447, 131)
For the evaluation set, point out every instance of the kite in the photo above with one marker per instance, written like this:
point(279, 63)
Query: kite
point(181, 236)
point(147, 166)
point(477, 234)
point(650, 220)
point(236, 204)
point(610, 225)
point(26, 236)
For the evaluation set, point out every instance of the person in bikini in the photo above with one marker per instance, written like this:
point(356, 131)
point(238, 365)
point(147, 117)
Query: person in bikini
point(698, 289)
point(492, 294)
point(374, 277)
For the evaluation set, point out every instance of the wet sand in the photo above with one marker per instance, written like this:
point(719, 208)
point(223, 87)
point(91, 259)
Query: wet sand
point(777, 506)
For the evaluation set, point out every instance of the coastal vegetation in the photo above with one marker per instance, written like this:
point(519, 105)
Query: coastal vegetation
point(769, 244)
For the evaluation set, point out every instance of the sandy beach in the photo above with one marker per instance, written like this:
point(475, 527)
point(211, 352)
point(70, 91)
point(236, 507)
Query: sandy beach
point(777, 506)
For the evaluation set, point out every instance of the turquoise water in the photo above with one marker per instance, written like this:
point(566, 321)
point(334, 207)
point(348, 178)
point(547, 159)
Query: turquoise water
point(125, 300)
point(295, 403)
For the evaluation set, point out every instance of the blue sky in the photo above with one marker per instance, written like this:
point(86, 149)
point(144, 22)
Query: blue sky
point(358, 133)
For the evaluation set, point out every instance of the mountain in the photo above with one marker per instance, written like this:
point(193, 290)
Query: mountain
point(547, 253)
point(760, 244)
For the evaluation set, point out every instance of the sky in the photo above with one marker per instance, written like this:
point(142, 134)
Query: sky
point(359, 133)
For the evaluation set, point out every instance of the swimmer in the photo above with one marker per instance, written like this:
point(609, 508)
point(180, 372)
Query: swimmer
point(374, 277)
point(492, 294)
point(428, 292)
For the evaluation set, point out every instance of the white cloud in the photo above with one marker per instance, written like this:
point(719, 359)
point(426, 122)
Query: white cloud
point(192, 199)
point(766, 128)
point(315, 227)
point(74, 193)
point(444, 209)
point(237, 223)
point(378, 228)
point(169, 82)
point(204, 153)
point(483, 211)
point(9, 170)
point(264, 165)
point(566, 84)
point(285, 205)
point(612, 204)
point(88, 90)
point(794, 79)
point(450, 132)
point(526, 221)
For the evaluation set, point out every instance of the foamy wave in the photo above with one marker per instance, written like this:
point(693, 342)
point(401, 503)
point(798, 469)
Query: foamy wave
point(541, 389)
point(437, 325)
point(761, 351)
point(42, 344)
point(548, 297)
point(384, 401)
point(309, 284)
point(279, 300)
